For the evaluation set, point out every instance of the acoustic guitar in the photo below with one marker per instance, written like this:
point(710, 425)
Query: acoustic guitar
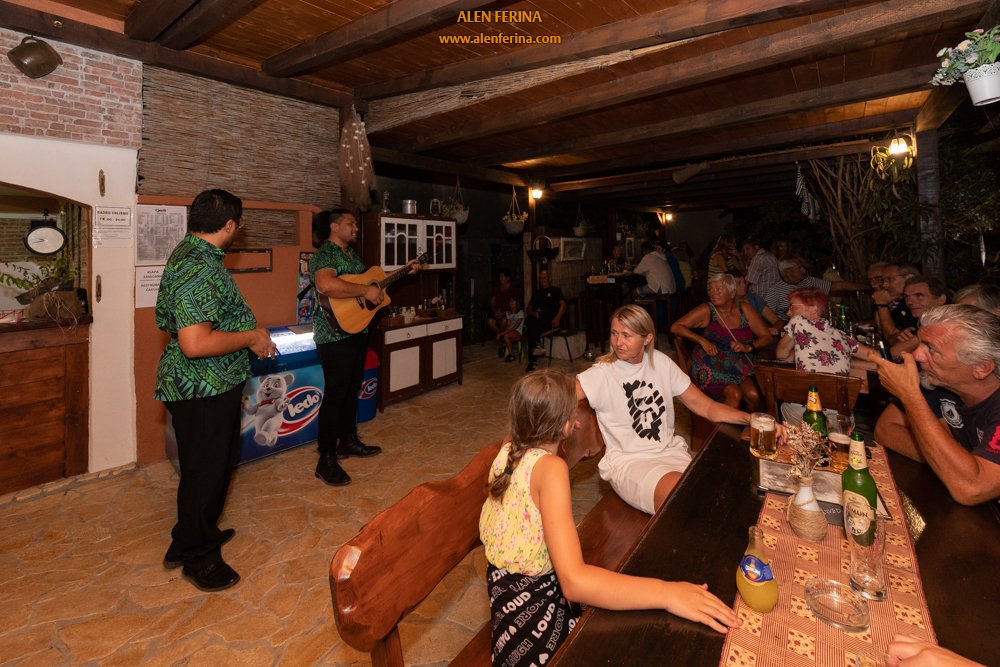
point(353, 314)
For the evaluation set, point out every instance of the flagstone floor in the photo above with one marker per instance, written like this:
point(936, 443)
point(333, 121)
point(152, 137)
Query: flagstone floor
point(81, 579)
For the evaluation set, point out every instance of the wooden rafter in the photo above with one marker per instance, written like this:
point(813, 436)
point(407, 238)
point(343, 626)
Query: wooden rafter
point(88, 36)
point(882, 85)
point(366, 34)
point(205, 18)
point(149, 18)
point(689, 19)
point(754, 141)
point(899, 18)
point(423, 163)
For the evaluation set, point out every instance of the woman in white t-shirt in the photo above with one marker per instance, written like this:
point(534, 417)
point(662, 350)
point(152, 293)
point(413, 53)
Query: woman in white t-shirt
point(632, 390)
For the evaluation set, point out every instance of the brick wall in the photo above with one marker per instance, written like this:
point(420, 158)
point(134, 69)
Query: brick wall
point(12, 240)
point(92, 97)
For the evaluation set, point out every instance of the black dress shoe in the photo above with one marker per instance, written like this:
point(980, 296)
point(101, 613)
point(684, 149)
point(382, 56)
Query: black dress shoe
point(330, 471)
point(354, 447)
point(171, 563)
point(216, 576)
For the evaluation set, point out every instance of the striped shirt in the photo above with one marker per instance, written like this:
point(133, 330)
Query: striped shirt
point(762, 272)
point(777, 295)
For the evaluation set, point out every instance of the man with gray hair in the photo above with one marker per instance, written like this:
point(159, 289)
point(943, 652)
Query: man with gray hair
point(793, 276)
point(986, 297)
point(959, 353)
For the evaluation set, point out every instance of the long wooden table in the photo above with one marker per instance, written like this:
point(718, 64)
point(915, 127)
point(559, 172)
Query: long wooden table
point(700, 534)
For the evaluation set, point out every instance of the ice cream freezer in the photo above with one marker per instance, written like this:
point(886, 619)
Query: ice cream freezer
point(281, 399)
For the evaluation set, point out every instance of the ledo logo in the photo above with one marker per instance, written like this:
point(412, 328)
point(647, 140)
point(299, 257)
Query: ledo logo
point(368, 388)
point(303, 406)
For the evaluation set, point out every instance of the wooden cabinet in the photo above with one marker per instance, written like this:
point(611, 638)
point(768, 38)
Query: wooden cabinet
point(418, 357)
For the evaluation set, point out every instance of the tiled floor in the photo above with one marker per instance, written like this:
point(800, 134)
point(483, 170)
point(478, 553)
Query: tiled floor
point(81, 580)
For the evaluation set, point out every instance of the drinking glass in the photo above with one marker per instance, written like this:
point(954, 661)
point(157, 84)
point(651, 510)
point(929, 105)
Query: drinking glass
point(867, 568)
point(839, 433)
point(763, 441)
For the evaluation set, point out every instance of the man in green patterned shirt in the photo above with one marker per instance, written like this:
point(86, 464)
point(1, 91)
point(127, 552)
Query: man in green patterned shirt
point(200, 379)
point(342, 354)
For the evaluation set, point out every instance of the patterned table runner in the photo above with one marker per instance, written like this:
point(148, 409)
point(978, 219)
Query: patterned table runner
point(790, 634)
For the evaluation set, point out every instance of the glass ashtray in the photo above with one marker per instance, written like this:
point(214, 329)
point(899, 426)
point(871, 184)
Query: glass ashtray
point(837, 604)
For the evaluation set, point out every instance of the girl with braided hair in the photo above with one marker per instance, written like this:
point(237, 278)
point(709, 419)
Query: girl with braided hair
point(536, 573)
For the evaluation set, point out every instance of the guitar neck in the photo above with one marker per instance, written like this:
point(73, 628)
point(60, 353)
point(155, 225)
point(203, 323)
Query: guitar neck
point(394, 276)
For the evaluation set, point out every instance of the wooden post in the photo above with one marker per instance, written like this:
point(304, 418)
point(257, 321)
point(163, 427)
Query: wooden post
point(929, 189)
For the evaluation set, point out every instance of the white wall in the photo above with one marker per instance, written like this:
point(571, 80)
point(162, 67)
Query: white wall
point(70, 169)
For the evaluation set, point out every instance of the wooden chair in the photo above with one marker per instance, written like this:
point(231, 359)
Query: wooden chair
point(701, 428)
point(838, 392)
point(397, 559)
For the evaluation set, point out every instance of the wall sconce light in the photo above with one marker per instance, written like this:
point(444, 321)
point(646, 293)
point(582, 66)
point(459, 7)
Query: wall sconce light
point(889, 161)
point(899, 145)
point(34, 58)
point(664, 217)
point(535, 192)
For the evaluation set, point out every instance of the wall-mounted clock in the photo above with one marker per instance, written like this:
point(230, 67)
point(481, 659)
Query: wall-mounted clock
point(44, 238)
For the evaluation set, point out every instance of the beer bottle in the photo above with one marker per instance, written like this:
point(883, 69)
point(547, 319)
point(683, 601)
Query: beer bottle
point(860, 495)
point(814, 412)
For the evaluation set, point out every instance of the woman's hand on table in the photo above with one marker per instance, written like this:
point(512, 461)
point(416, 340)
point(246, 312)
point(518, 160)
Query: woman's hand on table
point(909, 651)
point(695, 603)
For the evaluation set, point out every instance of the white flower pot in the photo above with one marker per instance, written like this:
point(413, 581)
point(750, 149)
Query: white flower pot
point(983, 83)
point(461, 216)
point(514, 228)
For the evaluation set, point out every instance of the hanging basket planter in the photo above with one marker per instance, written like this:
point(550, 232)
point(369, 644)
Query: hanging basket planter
point(455, 207)
point(514, 220)
point(983, 83)
point(513, 227)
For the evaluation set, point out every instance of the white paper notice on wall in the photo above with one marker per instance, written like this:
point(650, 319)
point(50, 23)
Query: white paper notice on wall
point(158, 231)
point(147, 285)
point(112, 227)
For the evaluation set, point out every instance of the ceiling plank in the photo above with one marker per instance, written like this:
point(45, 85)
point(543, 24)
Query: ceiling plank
point(91, 37)
point(689, 19)
point(882, 85)
point(149, 18)
point(669, 185)
point(942, 102)
point(205, 18)
point(815, 40)
point(366, 34)
point(826, 131)
point(389, 156)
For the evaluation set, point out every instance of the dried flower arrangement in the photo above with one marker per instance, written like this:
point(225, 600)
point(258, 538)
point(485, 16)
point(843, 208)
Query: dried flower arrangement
point(808, 448)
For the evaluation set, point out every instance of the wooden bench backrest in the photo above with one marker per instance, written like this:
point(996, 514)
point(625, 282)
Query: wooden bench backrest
point(837, 392)
point(683, 348)
point(397, 559)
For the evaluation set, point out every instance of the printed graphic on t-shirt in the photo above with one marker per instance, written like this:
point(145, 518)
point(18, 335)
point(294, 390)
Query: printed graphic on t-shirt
point(994, 443)
point(645, 405)
point(950, 413)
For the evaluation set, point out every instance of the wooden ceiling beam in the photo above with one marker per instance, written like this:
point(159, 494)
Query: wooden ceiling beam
point(81, 34)
point(943, 101)
point(786, 184)
point(205, 18)
point(875, 87)
point(149, 18)
point(686, 20)
point(838, 130)
point(368, 33)
point(778, 173)
point(837, 34)
point(421, 162)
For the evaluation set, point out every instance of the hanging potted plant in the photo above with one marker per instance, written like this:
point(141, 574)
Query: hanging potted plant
point(514, 220)
point(582, 225)
point(455, 207)
point(975, 62)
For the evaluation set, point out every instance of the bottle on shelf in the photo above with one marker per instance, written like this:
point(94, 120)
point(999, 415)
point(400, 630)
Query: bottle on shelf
point(814, 413)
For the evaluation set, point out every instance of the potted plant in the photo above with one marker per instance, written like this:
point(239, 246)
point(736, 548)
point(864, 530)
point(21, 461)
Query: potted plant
point(974, 60)
point(513, 220)
point(48, 291)
point(582, 225)
point(455, 207)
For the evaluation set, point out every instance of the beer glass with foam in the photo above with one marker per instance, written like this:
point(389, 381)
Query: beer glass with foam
point(763, 442)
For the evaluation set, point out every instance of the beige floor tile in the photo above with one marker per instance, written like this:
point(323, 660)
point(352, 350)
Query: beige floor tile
point(81, 568)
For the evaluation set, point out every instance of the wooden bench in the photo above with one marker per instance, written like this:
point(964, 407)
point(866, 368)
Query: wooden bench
point(701, 428)
point(401, 555)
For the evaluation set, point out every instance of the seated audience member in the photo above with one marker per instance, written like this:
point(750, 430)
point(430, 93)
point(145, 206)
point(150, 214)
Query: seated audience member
point(922, 293)
point(632, 390)
point(793, 276)
point(816, 345)
point(663, 249)
point(499, 301)
point(891, 312)
point(955, 427)
point(910, 651)
point(781, 249)
point(986, 297)
point(757, 303)
point(514, 323)
point(536, 572)
point(876, 272)
point(654, 266)
point(545, 313)
point(686, 263)
point(615, 262)
point(728, 334)
point(725, 256)
point(762, 268)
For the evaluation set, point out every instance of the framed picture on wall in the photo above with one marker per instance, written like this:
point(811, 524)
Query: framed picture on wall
point(572, 249)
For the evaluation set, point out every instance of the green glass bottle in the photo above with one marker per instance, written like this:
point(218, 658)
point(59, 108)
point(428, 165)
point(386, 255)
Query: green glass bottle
point(860, 495)
point(814, 413)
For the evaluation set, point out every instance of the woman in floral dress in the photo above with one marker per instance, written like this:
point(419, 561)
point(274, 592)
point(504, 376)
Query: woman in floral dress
point(727, 333)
